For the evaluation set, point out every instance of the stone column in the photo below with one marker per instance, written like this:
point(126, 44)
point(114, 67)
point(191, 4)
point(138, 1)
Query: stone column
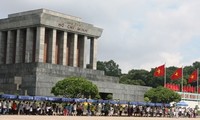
point(83, 52)
point(29, 45)
point(52, 46)
point(63, 47)
point(93, 53)
point(73, 50)
point(8, 47)
point(3, 39)
point(20, 46)
point(18, 49)
point(39, 54)
point(10, 50)
point(1, 48)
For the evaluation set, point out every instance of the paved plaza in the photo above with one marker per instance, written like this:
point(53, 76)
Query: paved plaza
point(22, 117)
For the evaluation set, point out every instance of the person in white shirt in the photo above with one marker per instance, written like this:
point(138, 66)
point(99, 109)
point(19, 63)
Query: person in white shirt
point(4, 107)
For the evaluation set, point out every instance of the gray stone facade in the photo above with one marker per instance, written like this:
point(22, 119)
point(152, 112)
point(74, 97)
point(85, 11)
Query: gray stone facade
point(47, 36)
point(40, 47)
point(49, 18)
point(39, 78)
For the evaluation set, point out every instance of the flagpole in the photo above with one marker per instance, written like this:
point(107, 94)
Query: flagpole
point(165, 77)
point(182, 81)
point(197, 85)
point(182, 86)
point(197, 80)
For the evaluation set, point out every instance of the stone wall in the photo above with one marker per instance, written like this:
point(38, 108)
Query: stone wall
point(123, 91)
point(18, 78)
point(34, 74)
point(39, 78)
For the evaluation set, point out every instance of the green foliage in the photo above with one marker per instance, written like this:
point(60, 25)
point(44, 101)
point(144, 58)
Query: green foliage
point(196, 64)
point(146, 99)
point(109, 97)
point(97, 97)
point(75, 87)
point(109, 67)
point(134, 77)
point(162, 95)
point(146, 78)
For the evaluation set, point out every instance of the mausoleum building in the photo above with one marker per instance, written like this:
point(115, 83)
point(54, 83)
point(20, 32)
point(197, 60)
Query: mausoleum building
point(40, 47)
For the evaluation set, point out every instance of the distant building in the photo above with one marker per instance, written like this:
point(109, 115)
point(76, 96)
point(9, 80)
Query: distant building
point(192, 99)
point(40, 47)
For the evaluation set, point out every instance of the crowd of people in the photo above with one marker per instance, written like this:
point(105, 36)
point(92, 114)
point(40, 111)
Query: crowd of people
point(13, 107)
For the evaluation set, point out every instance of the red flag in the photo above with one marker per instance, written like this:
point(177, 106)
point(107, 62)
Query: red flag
point(198, 90)
point(172, 87)
point(177, 74)
point(167, 85)
point(193, 89)
point(160, 71)
point(189, 89)
point(178, 88)
point(184, 89)
point(193, 77)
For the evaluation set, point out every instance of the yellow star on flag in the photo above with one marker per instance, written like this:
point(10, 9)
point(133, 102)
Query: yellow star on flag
point(192, 76)
point(158, 71)
point(176, 73)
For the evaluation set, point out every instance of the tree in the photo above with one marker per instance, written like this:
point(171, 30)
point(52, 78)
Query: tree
point(109, 97)
point(146, 99)
point(97, 97)
point(75, 87)
point(109, 67)
point(196, 64)
point(134, 77)
point(144, 77)
point(162, 95)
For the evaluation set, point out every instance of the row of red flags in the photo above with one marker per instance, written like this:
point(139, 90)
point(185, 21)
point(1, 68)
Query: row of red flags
point(176, 87)
point(172, 86)
point(160, 71)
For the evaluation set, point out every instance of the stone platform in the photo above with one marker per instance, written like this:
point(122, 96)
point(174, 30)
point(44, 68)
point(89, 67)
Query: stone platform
point(39, 78)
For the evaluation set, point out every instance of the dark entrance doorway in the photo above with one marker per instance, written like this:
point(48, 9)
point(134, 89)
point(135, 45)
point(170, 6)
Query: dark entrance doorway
point(104, 96)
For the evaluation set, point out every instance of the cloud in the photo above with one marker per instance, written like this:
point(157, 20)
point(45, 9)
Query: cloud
point(164, 32)
point(138, 34)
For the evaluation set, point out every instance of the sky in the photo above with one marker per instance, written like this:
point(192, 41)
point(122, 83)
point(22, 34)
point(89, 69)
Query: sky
point(137, 34)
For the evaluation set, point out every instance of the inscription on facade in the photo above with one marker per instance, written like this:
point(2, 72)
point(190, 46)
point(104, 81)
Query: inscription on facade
point(73, 26)
point(189, 96)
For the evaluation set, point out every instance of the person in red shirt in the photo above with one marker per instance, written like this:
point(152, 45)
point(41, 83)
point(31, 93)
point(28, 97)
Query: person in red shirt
point(14, 107)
